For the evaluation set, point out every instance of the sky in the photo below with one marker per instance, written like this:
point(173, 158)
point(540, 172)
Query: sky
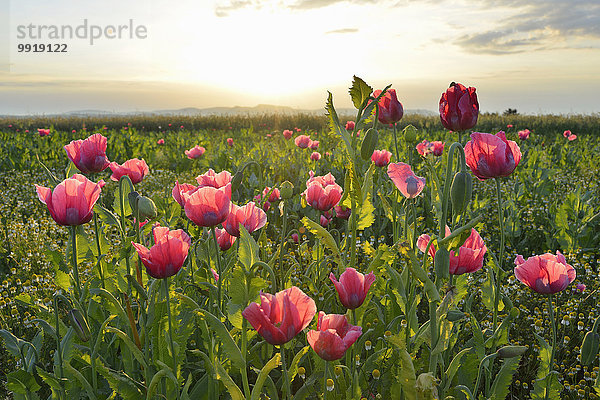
point(538, 56)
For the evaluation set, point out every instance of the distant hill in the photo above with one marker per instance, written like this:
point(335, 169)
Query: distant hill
point(236, 110)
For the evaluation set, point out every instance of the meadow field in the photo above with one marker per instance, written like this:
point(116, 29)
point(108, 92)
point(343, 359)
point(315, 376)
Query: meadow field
point(317, 286)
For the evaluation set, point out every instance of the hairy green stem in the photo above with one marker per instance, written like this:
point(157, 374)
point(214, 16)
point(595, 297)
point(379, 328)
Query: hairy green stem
point(500, 255)
point(74, 261)
point(286, 380)
point(171, 342)
point(220, 271)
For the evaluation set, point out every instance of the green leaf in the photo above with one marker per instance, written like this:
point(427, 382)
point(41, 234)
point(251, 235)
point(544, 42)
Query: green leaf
point(336, 128)
point(165, 372)
point(22, 382)
point(249, 252)
point(108, 217)
point(84, 382)
point(139, 356)
point(365, 214)
point(11, 342)
point(51, 381)
point(326, 238)
point(547, 388)
point(63, 281)
point(293, 368)
point(231, 348)
point(232, 388)
point(545, 354)
point(120, 383)
point(264, 373)
point(70, 170)
point(453, 367)
point(504, 378)
point(406, 374)
point(359, 91)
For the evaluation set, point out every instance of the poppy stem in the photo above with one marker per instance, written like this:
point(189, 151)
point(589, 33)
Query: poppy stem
point(500, 256)
point(97, 234)
point(396, 143)
point(325, 380)
point(172, 344)
point(218, 262)
point(286, 380)
point(282, 247)
point(553, 322)
point(74, 260)
point(58, 350)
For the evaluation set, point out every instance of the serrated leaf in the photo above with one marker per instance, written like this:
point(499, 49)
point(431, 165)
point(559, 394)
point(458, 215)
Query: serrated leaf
point(22, 382)
point(232, 388)
point(83, 382)
point(326, 238)
point(231, 348)
point(359, 91)
point(453, 367)
point(263, 374)
point(365, 215)
point(11, 342)
point(121, 384)
point(547, 388)
point(336, 128)
point(248, 253)
point(108, 216)
point(504, 378)
point(545, 354)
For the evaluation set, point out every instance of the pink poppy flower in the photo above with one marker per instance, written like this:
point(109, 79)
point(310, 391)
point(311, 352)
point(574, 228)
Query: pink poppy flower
point(250, 216)
point(89, 155)
point(459, 107)
point(179, 188)
point(195, 152)
point(224, 240)
point(381, 158)
point(135, 169)
point(303, 141)
point(390, 109)
point(71, 202)
point(207, 206)
point(280, 317)
point(211, 178)
point(334, 335)
point(470, 254)
point(524, 134)
point(287, 134)
point(315, 156)
point(352, 287)
point(322, 193)
point(168, 254)
point(350, 125)
point(405, 180)
point(545, 274)
point(491, 156)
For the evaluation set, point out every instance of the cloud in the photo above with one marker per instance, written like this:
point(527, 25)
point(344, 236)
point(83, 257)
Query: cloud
point(536, 25)
point(343, 30)
point(226, 7)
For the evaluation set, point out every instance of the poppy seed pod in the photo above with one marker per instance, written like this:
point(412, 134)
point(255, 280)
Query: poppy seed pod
point(369, 144)
point(589, 348)
point(461, 191)
point(79, 324)
point(511, 351)
point(146, 207)
point(441, 261)
point(286, 190)
point(132, 197)
point(410, 134)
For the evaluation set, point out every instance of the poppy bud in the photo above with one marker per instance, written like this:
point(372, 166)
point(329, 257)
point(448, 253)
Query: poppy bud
point(369, 144)
point(410, 134)
point(147, 207)
point(441, 261)
point(79, 324)
point(589, 347)
point(132, 197)
point(511, 351)
point(286, 190)
point(455, 315)
point(461, 191)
